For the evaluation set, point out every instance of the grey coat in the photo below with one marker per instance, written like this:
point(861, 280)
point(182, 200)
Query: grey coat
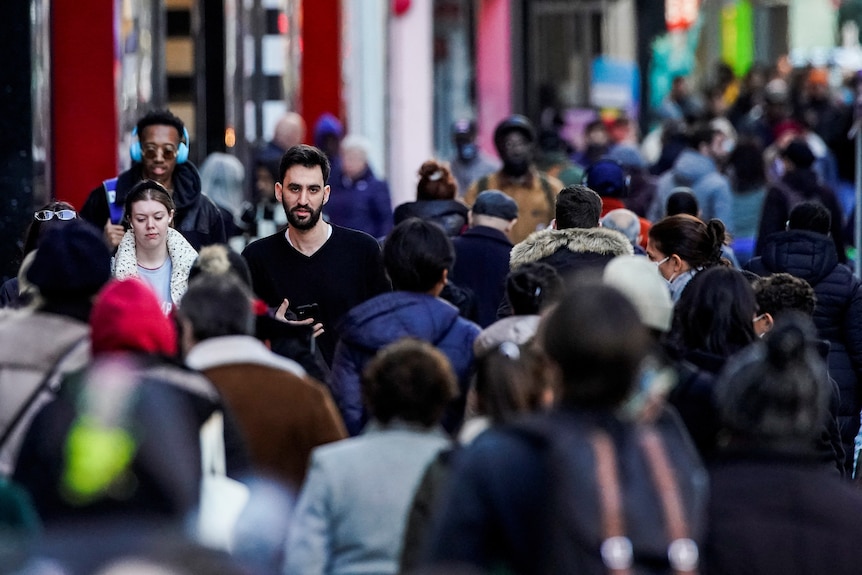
point(352, 511)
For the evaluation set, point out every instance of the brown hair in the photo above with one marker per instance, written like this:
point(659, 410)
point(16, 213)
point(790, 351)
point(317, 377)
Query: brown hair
point(435, 182)
point(696, 243)
point(409, 380)
point(147, 190)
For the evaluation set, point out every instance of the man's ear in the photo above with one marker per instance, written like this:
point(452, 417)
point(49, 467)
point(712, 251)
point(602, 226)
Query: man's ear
point(554, 223)
point(278, 191)
point(511, 225)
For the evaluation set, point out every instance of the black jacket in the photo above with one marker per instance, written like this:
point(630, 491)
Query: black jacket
point(481, 265)
point(780, 513)
point(838, 314)
point(196, 217)
point(796, 187)
point(450, 214)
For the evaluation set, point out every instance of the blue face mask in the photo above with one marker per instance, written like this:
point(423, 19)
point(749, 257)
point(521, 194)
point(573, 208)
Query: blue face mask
point(467, 151)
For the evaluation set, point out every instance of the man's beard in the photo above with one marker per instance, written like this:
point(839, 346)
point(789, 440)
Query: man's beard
point(306, 224)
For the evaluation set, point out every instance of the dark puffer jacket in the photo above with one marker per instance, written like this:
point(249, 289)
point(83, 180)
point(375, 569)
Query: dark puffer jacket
point(450, 214)
point(838, 314)
point(385, 319)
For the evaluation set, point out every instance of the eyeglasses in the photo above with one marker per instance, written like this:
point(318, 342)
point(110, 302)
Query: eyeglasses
point(658, 263)
point(152, 152)
point(45, 215)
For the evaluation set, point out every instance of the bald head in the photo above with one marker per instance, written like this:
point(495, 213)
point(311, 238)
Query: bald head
point(289, 131)
point(624, 221)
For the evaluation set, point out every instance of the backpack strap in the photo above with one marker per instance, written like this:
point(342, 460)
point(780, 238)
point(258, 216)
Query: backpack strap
point(550, 194)
point(682, 552)
point(114, 209)
point(50, 383)
point(616, 550)
point(482, 184)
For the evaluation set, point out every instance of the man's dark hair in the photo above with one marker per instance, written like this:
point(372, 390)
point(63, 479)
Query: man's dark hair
point(218, 305)
point(701, 134)
point(782, 292)
point(160, 118)
point(810, 216)
point(578, 207)
point(306, 156)
point(410, 380)
point(596, 338)
point(682, 202)
point(415, 255)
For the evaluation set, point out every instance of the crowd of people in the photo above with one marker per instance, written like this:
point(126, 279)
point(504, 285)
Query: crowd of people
point(641, 356)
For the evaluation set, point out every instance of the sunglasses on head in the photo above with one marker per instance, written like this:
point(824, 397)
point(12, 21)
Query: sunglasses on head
point(152, 152)
point(45, 215)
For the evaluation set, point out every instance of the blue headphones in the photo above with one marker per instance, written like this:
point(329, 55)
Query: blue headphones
point(137, 153)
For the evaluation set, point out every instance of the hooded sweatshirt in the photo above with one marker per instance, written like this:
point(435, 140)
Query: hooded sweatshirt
point(698, 172)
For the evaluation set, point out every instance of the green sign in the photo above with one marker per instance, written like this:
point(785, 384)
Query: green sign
point(737, 36)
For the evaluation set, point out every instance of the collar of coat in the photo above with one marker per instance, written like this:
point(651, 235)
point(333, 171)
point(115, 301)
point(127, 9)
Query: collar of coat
point(544, 243)
point(181, 252)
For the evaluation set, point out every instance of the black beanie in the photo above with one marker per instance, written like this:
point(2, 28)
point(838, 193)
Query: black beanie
point(72, 261)
point(512, 123)
point(799, 153)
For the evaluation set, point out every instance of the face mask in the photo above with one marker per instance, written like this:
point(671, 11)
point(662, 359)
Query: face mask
point(467, 152)
point(517, 168)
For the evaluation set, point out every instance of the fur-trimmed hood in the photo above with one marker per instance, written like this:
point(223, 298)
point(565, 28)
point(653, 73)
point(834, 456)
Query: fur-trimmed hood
point(544, 243)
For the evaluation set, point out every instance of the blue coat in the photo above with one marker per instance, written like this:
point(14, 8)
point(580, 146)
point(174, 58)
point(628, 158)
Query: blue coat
point(837, 315)
point(362, 204)
point(385, 319)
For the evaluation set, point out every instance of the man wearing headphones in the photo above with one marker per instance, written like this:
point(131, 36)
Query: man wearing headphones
point(159, 151)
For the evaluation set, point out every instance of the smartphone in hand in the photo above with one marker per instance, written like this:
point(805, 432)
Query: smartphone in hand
point(306, 311)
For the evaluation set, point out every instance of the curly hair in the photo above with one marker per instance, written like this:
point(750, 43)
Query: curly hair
point(409, 380)
point(783, 292)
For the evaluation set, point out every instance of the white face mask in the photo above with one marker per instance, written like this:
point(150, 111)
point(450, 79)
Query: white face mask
point(658, 265)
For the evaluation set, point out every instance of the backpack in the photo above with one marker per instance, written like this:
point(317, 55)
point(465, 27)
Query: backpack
point(623, 498)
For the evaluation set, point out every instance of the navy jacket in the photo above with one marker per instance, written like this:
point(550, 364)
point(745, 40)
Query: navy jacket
point(385, 319)
point(482, 264)
point(838, 314)
point(362, 204)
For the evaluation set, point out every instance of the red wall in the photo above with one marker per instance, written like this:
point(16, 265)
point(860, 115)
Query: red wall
point(321, 61)
point(84, 111)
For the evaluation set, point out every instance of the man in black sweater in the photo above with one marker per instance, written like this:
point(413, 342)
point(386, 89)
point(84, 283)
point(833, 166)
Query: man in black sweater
point(312, 261)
